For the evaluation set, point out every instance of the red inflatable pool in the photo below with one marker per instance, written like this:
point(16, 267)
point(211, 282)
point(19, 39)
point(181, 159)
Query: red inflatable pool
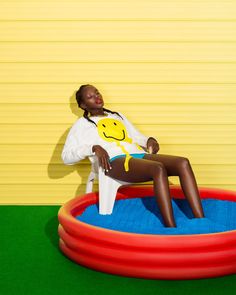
point(146, 255)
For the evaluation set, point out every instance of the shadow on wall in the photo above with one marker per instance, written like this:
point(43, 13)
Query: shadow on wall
point(56, 168)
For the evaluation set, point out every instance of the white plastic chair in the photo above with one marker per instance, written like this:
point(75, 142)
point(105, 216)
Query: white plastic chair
point(107, 187)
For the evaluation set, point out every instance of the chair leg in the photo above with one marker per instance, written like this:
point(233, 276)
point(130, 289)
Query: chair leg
point(107, 193)
point(90, 181)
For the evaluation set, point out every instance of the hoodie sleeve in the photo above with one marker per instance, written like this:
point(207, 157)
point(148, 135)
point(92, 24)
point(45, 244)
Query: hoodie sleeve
point(134, 133)
point(78, 145)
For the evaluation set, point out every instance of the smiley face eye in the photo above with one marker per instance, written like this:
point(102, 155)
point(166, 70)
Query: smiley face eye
point(115, 123)
point(104, 125)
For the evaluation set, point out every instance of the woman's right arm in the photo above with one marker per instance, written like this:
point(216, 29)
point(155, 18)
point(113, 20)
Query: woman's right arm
point(81, 143)
point(103, 157)
point(78, 145)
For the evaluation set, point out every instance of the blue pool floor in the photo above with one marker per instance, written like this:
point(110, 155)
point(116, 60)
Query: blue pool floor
point(141, 215)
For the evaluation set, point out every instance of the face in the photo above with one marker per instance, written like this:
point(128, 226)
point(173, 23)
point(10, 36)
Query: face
point(112, 130)
point(92, 99)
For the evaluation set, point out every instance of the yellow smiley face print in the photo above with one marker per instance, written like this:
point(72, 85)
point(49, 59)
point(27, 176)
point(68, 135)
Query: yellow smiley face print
point(112, 130)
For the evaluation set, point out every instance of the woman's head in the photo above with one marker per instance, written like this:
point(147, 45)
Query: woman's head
point(89, 98)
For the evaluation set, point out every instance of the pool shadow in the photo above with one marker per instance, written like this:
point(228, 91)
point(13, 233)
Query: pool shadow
point(151, 205)
point(183, 207)
point(180, 207)
point(51, 228)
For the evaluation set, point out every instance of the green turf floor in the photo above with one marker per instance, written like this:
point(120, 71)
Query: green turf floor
point(31, 263)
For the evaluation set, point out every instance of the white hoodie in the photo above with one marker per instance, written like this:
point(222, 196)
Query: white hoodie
point(83, 135)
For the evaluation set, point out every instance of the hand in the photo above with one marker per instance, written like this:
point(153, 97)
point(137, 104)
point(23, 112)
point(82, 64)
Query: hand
point(152, 145)
point(103, 157)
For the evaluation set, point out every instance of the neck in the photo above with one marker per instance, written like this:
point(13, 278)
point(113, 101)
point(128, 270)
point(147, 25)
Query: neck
point(99, 112)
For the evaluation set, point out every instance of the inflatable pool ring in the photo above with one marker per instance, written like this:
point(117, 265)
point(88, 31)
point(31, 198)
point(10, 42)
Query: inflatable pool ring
point(146, 255)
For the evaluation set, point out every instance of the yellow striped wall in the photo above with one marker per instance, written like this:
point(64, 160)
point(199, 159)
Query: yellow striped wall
point(170, 66)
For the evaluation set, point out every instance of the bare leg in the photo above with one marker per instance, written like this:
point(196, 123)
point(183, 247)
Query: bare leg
point(179, 166)
point(141, 170)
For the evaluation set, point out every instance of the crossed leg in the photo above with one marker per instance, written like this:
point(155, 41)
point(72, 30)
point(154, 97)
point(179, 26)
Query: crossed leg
point(157, 168)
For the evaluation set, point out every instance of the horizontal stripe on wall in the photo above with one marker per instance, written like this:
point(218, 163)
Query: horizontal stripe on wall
point(48, 93)
point(166, 134)
point(150, 30)
point(51, 154)
point(78, 174)
point(39, 193)
point(117, 52)
point(139, 114)
point(118, 72)
point(74, 10)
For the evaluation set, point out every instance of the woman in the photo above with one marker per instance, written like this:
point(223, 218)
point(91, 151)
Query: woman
point(127, 155)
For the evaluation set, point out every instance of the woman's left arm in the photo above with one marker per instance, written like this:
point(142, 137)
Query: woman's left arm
point(152, 145)
point(149, 142)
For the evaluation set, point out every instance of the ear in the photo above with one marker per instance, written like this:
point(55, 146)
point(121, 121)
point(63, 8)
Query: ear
point(83, 106)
